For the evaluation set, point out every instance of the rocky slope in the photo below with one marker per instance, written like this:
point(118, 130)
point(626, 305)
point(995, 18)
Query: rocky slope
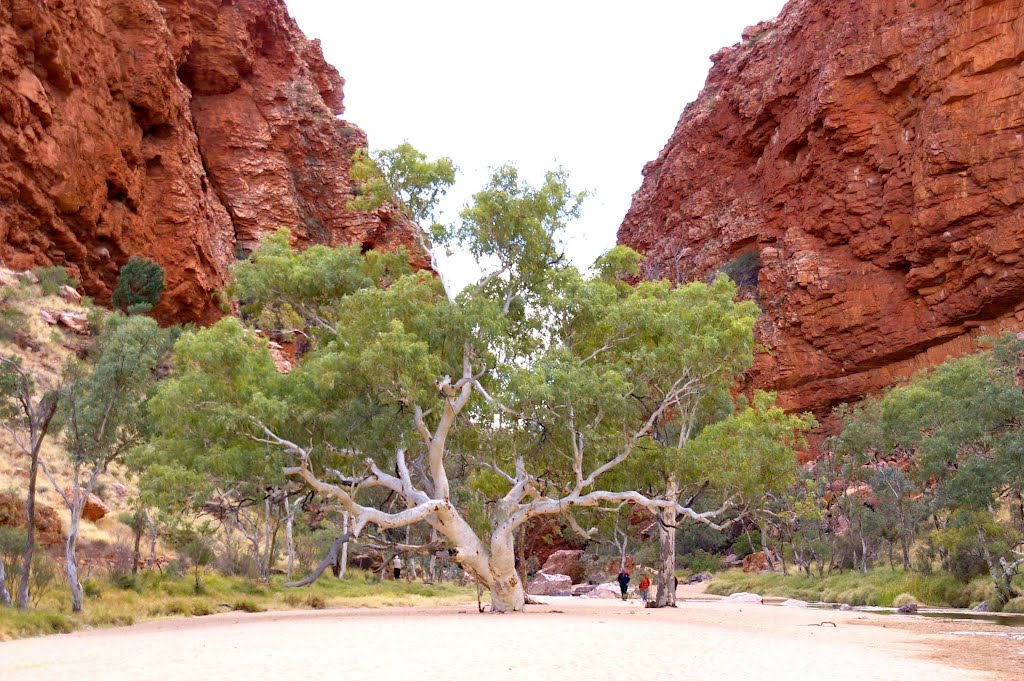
point(868, 158)
point(178, 130)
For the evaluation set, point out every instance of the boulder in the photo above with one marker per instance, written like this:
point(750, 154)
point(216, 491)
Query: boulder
point(76, 321)
point(582, 589)
point(27, 275)
point(544, 584)
point(981, 607)
point(794, 603)
point(566, 562)
point(69, 295)
point(743, 597)
point(698, 577)
point(48, 317)
point(845, 607)
point(606, 590)
point(756, 562)
point(94, 508)
point(907, 608)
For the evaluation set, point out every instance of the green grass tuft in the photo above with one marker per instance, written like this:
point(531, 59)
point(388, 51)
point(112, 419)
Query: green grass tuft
point(880, 587)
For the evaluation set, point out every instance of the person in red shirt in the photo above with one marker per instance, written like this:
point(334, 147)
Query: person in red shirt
point(645, 588)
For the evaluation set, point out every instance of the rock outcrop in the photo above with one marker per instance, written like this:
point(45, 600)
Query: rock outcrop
point(861, 165)
point(12, 514)
point(178, 130)
point(544, 584)
point(566, 562)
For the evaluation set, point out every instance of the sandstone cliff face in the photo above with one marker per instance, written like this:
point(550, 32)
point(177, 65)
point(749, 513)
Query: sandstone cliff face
point(870, 155)
point(179, 130)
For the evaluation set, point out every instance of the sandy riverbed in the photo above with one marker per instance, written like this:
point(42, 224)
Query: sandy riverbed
point(566, 638)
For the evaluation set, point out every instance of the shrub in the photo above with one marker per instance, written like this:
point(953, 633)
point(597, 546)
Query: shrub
point(44, 573)
point(746, 544)
point(699, 561)
point(126, 581)
point(316, 602)
point(52, 278)
point(1015, 605)
point(11, 321)
point(92, 589)
point(139, 286)
point(967, 562)
point(12, 546)
point(903, 599)
point(246, 605)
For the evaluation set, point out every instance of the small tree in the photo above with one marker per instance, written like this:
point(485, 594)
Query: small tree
point(194, 542)
point(26, 416)
point(103, 415)
point(12, 545)
point(139, 286)
point(405, 179)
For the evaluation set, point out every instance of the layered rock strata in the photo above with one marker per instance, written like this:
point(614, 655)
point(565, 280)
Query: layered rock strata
point(863, 163)
point(178, 130)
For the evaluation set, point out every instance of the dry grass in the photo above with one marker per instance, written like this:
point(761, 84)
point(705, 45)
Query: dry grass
point(57, 346)
point(154, 596)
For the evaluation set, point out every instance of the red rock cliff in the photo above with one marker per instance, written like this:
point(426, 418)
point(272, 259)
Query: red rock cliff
point(870, 154)
point(179, 130)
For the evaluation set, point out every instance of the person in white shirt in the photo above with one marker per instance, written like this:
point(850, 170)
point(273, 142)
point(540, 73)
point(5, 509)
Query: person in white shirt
point(396, 567)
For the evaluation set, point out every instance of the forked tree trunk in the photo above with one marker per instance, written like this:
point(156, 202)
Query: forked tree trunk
point(508, 593)
point(667, 543)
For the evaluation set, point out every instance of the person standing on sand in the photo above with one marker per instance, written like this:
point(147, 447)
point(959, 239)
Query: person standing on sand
point(623, 580)
point(645, 588)
point(396, 567)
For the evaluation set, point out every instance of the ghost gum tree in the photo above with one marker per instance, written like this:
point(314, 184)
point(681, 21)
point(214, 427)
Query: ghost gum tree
point(102, 414)
point(473, 413)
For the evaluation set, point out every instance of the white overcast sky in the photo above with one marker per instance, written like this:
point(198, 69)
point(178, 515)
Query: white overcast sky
point(593, 87)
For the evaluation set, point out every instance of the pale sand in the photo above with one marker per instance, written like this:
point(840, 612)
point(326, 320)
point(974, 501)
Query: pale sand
point(564, 639)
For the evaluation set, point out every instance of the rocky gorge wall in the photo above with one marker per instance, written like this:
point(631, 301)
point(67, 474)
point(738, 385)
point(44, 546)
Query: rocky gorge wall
point(864, 159)
point(178, 130)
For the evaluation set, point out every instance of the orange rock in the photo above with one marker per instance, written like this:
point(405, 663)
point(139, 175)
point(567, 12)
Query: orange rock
point(177, 130)
point(755, 562)
point(94, 508)
point(12, 514)
point(867, 151)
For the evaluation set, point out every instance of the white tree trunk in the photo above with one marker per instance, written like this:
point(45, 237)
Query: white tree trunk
point(5, 596)
point(153, 535)
point(70, 559)
point(289, 540)
point(344, 547)
point(508, 593)
point(432, 563)
point(667, 542)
